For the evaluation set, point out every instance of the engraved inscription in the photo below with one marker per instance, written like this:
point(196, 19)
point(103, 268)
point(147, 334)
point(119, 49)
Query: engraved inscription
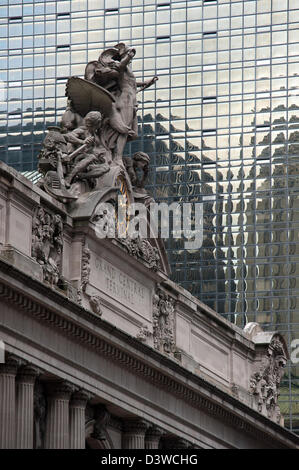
point(120, 286)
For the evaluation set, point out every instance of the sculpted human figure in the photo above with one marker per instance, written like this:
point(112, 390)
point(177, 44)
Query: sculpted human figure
point(112, 71)
point(86, 149)
point(100, 118)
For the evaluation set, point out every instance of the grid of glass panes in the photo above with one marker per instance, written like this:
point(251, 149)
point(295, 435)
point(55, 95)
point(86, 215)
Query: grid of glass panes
point(221, 127)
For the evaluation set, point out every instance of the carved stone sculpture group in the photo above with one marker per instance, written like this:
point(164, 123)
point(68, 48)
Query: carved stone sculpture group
point(100, 118)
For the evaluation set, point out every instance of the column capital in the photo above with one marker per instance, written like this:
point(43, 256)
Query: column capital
point(102, 417)
point(80, 398)
point(11, 364)
point(27, 374)
point(154, 432)
point(152, 437)
point(135, 426)
point(60, 390)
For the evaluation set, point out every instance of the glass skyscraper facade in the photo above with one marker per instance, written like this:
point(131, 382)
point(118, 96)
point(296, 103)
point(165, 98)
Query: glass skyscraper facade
point(221, 127)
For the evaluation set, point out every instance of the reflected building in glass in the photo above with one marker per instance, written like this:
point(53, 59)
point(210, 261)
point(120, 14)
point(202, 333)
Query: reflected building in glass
point(221, 127)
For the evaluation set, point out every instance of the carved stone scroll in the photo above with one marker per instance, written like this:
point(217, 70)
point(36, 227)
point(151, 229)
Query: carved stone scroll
point(163, 321)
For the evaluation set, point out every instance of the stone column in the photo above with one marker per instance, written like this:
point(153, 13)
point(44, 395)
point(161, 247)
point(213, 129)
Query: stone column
point(152, 438)
point(24, 407)
point(57, 426)
point(134, 434)
point(77, 419)
point(8, 372)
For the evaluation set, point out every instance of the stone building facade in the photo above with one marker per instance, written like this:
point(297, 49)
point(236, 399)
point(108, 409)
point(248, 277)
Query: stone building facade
point(103, 351)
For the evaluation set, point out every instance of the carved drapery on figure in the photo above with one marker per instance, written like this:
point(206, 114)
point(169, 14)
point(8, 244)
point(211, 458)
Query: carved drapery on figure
point(47, 243)
point(163, 321)
point(264, 383)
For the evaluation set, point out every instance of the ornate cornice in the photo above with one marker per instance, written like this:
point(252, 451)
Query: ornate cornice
point(159, 378)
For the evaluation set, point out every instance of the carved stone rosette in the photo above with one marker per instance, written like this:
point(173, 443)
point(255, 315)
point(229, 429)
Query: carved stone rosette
point(47, 243)
point(163, 321)
point(265, 383)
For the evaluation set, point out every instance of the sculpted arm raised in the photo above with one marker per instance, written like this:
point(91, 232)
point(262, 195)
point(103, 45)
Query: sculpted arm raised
point(146, 84)
point(126, 59)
